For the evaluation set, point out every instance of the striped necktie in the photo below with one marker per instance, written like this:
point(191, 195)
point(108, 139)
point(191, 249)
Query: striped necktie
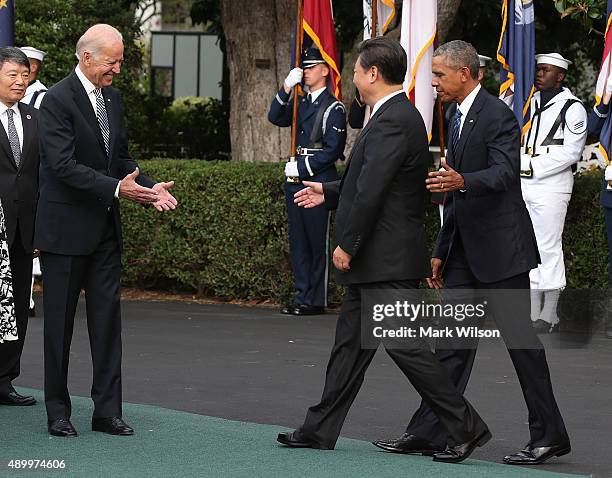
point(456, 129)
point(13, 137)
point(102, 118)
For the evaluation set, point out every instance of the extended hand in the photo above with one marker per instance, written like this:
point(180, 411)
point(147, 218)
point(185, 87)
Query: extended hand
point(130, 189)
point(310, 196)
point(165, 201)
point(435, 281)
point(445, 181)
point(342, 260)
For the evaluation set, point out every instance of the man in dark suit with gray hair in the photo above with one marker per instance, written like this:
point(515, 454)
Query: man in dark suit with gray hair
point(486, 245)
point(85, 168)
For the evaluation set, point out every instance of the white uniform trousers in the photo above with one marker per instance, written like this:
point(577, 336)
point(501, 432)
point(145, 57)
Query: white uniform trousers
point(547, 211)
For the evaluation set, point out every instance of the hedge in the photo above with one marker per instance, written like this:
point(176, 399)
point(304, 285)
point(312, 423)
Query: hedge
point(228, 238)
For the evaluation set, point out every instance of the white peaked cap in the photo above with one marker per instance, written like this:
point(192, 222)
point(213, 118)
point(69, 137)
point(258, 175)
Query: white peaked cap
point(484, 60)
point(33, 53)
point(553, 59)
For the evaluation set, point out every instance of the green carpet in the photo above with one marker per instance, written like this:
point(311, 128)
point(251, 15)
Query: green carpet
point(169, 443)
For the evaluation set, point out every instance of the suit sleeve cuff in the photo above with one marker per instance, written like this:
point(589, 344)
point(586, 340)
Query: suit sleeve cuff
point(602, 110)
point(117, 190)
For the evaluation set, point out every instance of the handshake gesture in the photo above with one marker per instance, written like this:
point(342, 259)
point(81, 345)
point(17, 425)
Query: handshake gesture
point(158, 195)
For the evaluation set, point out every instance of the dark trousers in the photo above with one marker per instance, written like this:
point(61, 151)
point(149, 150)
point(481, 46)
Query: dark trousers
point(546, 425)
point(308, 249)
point(608, 221)
point(98, 274)
point(349, 362)
point(10, 352)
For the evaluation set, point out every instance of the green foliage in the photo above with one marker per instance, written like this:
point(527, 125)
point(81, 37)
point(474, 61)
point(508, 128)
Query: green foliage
point(228, 238)
point(587, 12)
point(55, 26)
point(200, 125)
point(584, 239)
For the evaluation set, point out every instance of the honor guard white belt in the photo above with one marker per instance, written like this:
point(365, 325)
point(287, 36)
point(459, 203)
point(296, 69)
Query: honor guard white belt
point(307, 151)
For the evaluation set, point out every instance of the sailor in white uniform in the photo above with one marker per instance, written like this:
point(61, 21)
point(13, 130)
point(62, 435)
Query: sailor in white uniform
point(36, 90)
point(33, 96)
point(551, 147)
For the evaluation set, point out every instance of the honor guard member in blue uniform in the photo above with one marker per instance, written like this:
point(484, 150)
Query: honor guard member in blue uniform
point(596, 121)
point(321, 137)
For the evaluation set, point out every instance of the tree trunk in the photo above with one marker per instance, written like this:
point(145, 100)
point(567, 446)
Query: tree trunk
point(258, 56)
point(447, 11)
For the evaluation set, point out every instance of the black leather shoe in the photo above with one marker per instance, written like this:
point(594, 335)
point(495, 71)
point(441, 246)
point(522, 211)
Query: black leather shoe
point(458, 453)
point(61, 427)
point(409, 444)
point(112, 426)
point(536, 455)
point(308, 310)
point(15, 399)
point(291, 440)
point(288, 309)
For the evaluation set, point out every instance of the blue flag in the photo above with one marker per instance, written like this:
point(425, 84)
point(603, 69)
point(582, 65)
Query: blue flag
point(516, 53)
point(7, 23)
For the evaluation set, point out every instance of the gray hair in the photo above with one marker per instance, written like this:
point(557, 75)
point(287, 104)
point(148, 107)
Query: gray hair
point(459, 54)
point(95, 38)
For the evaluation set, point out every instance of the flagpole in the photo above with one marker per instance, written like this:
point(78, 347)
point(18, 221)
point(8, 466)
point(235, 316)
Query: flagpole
point(374, 18)
point(438, 198)
point(299, 40)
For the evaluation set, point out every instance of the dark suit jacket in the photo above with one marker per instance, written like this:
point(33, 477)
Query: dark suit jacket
point(77, 179)
point(490, 215)
point(380, 198)
point(19, 186)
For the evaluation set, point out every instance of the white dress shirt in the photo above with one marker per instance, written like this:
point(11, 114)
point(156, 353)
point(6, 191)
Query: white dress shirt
point(16, 120)
point(382, 101)
point(90, 89)
point(315, 94)
point(466, 104)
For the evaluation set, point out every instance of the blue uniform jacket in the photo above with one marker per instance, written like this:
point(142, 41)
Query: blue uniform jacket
point(334, 131)
point(595, 123)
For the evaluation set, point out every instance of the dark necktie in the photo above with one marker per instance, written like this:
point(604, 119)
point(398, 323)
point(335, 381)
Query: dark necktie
point(309, 98)
point(102, 118)
point(456, 128)
point(13, 137)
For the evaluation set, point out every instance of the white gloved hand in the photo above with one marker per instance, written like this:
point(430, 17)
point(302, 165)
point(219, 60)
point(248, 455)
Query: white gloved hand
point(609, 173)
point(294, 77)
point(525, 162)
point(609, 84)
point(291, 169)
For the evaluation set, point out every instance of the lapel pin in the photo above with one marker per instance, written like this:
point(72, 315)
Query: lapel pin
point(28, 117)
point(108, 100)
point(471, 121)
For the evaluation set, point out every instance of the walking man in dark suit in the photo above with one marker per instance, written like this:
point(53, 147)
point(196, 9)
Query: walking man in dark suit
point(18, 193)
point(486, 242)
point(380, 244)
point(85, 169)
